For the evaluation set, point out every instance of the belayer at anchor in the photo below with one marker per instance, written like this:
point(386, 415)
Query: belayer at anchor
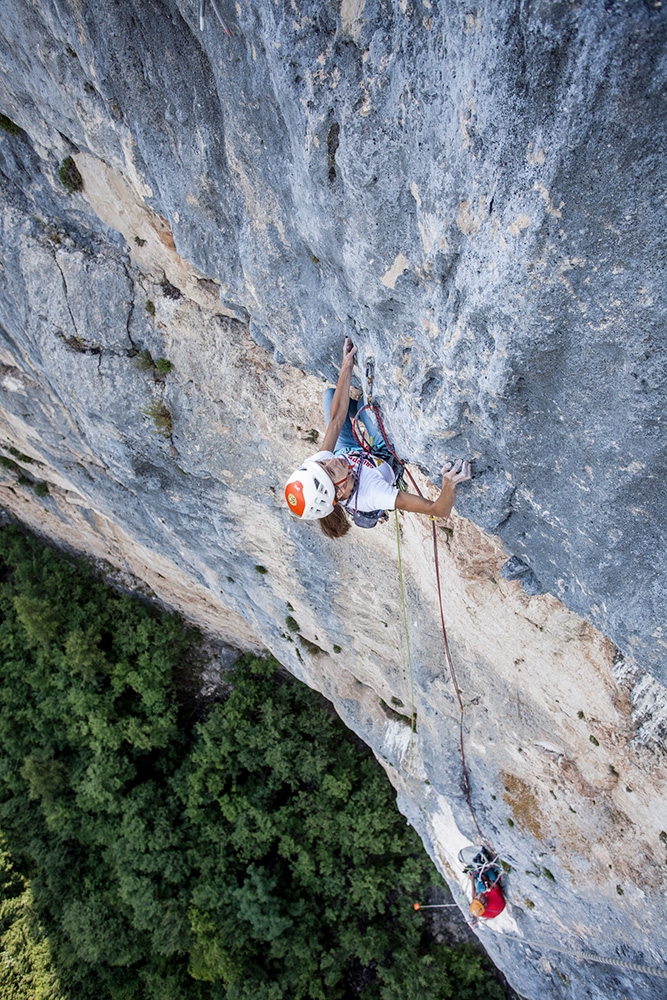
point(341, 477)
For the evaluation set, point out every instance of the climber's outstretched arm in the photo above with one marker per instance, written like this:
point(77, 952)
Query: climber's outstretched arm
point(341, 398)
point(453, 473)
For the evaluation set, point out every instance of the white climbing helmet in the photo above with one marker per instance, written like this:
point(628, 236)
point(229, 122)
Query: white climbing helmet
point(310, 493)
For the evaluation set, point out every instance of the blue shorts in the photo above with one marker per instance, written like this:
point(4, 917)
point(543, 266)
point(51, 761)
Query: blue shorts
point(346, 441)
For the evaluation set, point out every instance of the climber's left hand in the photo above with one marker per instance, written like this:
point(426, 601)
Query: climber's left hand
point(457, 472)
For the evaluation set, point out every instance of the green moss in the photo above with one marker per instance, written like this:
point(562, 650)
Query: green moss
point(619, 891)
point(310, 647)
point(7, 125)
point(164, 366)
point(337, 649)
point(77, 344)
point(70, 176)
point(292, 624)
point(138, 240)
point(41, 488)
point(580, 714)
point(150, 307)
point(529, 904)
point(145, 360)
point(262, 570)
point(596, 743)
point(19, 454)
point(161, 416)
point(549, 874)
point(394, 715)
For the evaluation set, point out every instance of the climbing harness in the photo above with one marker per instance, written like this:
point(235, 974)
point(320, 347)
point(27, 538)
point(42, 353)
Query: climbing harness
point(362, 518)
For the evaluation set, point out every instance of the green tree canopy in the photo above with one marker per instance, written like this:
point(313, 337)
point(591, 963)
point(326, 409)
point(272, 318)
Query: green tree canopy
point(248, 850)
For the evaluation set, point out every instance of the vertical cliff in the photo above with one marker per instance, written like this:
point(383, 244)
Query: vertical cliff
point(476, 195)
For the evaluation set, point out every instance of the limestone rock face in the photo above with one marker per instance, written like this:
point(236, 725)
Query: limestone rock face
point(476, 195)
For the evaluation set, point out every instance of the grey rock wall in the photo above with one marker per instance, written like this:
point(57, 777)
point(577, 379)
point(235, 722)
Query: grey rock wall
point(477, 195)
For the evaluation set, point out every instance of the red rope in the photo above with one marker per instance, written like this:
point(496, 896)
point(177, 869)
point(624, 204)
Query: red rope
point(448, 656)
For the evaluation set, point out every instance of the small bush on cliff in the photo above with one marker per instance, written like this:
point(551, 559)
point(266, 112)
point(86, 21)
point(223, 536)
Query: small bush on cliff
point(254, 854)
point(7, 125)
point(144, 361)
point(161, 416)
point(70, 176)
point(164, 366)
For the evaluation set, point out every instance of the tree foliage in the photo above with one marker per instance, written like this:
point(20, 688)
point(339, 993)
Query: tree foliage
point(256, 854)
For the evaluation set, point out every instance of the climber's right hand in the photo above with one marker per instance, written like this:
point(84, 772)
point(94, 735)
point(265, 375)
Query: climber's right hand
point(349, 351)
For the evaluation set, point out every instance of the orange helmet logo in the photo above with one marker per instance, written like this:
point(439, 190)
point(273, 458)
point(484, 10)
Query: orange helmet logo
point(295, 498)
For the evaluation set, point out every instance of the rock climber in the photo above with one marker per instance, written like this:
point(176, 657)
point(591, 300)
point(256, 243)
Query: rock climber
point(340, 477)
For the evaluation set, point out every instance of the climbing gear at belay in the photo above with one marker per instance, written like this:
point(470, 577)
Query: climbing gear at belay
point(485, 875)
point(487, 898)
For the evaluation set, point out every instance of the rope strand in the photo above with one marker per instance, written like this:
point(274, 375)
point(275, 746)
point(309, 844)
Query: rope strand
point(588, 956)
point(448, 656)
point(407, 643)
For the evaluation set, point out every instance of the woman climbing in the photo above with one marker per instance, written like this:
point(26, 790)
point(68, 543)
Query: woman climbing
point(340, 477)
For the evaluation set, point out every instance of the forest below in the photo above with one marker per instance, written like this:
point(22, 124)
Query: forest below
point(156, 844)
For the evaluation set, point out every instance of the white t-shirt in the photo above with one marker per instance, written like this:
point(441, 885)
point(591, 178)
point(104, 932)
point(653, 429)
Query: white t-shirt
point(376, 490)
